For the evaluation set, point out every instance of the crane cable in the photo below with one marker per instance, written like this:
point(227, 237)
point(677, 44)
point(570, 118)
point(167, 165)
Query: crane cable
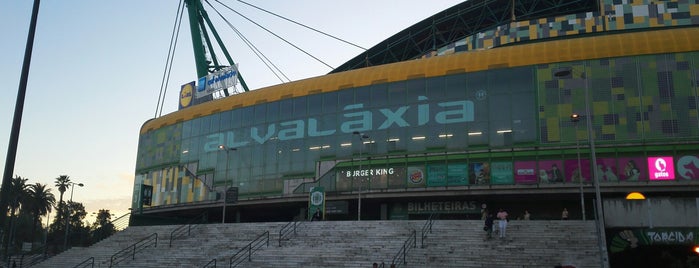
point(272, 33)
point(302, 25)
point(252, 47)
point(170, 58)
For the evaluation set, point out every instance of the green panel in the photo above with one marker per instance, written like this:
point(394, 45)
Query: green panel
point(433, 158)
point(479, 156)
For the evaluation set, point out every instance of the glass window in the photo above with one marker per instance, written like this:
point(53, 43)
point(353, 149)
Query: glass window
point(247, 116)
point(362, 95)
point(286, 109)
point(345, 97)
point(260, 113)
point(455, 86)
point(186, 129)
point(299, 107)
point(196, 127)
point(315, 104)
point(272, 111)
point(396, 94)
point(434, 88)
point(330, 102)
point(379, 95)
point(235, 120)
point(225, 121)
point(414, 89)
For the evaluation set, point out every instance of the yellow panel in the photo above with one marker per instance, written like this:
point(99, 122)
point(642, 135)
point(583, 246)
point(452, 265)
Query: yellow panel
point(623, 121)
point(620, 25)
point(553, 129)
point(694, 10)
point(692, 113)
point(647, 100)
point(665, 107)
point(565, 110)
point(608, 129)
point(639, 20)
point(602, 46)
point(600, 107)
point(633, 101)
point(618, 90)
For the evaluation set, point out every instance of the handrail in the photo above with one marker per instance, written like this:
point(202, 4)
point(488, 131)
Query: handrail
point(404, 250)
point(425, 228)
point(180, 230)
point(132, 249)
point(212, 262)
point(288, 229)
point(251, 248)
point(90, 261)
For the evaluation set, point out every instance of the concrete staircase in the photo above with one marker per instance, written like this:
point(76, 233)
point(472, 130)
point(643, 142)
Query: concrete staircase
point(452, 243)
point(528, 244)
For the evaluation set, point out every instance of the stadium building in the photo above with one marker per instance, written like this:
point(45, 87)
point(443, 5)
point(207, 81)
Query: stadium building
point(513, 104)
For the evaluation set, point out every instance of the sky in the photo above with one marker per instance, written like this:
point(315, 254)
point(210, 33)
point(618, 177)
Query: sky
point(97, 70)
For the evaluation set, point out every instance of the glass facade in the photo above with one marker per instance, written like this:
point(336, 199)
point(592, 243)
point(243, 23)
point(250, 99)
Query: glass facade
point(499, 127)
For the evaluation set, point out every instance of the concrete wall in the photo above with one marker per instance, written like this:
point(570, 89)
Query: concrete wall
point(652, 212)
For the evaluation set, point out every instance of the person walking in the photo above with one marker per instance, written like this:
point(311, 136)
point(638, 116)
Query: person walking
point(526, 215)
point(564, 214)
point(488, 228)
point(502, 222)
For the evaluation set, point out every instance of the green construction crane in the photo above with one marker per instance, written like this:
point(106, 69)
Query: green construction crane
point(201, 42)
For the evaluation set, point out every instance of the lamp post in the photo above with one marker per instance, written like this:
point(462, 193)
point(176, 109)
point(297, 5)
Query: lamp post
point(575, 118)
point(72, 186)
point(601, 237)
point(362, 137)
point(225, 186)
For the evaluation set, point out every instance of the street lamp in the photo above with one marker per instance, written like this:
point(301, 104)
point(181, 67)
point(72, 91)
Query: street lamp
point(602, 240)
point(72, 186)
point(362, 137)
point(575, 118)
point(225, 186)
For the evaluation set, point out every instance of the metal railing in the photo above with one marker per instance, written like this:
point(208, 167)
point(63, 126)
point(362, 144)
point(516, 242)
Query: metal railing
point(426, 228)
point(90, 262)
point(211, 264)
point(411, 242)
point(186, 229)
point(288, 229)
point(130, 251)
point(247, 251)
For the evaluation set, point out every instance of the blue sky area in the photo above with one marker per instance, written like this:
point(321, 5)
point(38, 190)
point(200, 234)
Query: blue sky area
point(97, 68)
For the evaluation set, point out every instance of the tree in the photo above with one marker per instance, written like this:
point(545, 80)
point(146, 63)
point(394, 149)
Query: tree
point(39, 202)
point(103, 226)
point(18, 194)
point(77, 232)
point(62, 182)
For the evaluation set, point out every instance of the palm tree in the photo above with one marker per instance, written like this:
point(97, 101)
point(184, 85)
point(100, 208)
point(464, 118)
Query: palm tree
point(18, 194)
point(40, 202)
point(62, 182)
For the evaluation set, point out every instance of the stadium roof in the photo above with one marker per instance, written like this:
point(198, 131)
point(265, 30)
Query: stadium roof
point(458, 22)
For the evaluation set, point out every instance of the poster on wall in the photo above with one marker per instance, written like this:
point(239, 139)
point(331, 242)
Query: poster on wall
point(661, 168)
point(574, 173)
point(501, 173)
point(525, 172)
point(436, 175)
point(687, 167)
point(550, 171)
point(457, 174)
point(416, 177)
point(607, 169)
point(479, 173)
point(629, 170)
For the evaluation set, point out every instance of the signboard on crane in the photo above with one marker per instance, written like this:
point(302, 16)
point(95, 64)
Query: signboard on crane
point(219, 80)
